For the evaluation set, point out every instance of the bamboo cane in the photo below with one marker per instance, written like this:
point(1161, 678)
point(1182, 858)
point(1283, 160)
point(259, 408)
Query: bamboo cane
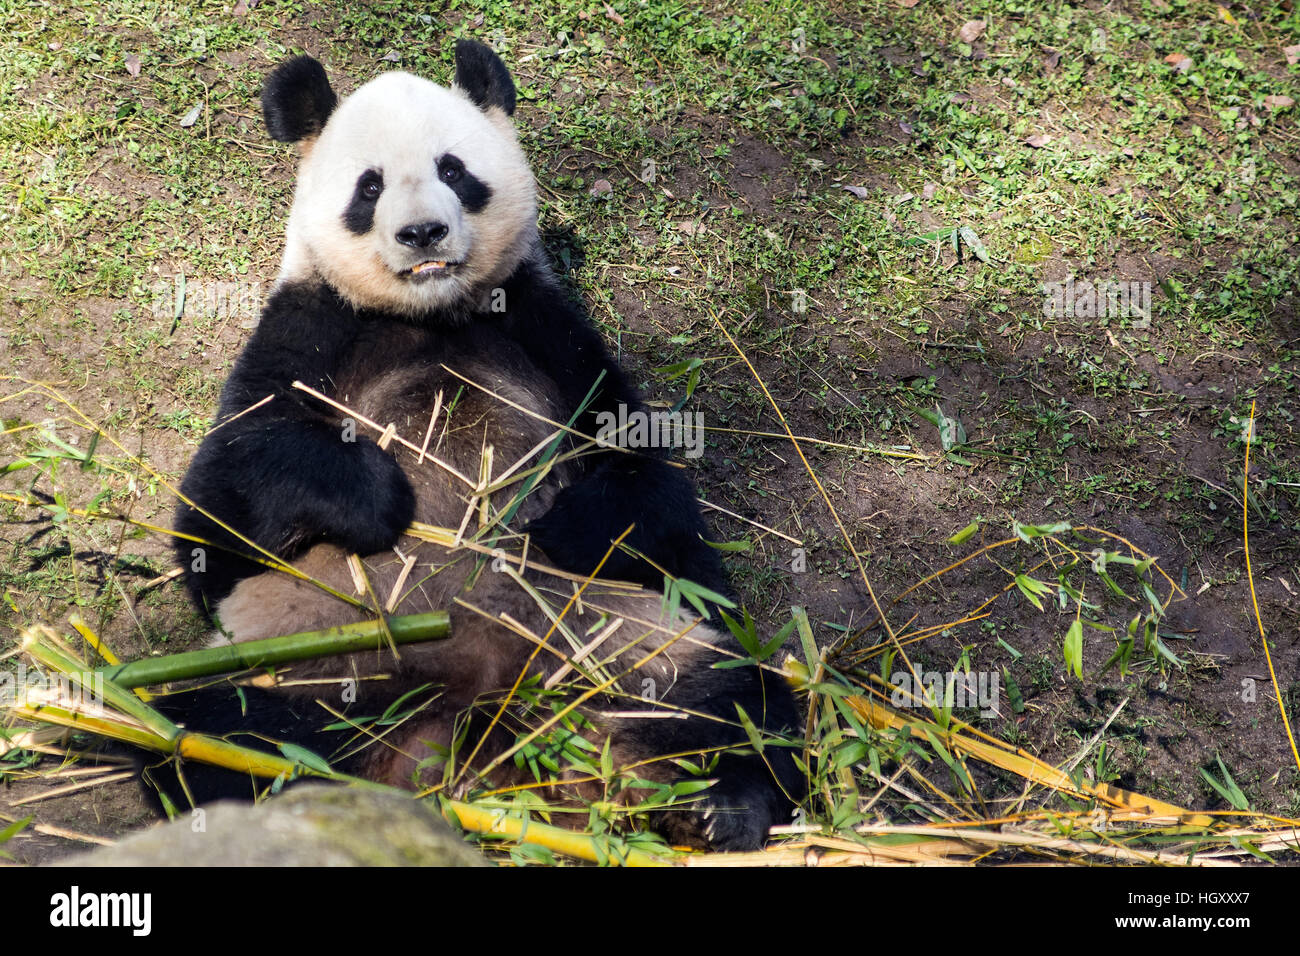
point(570, 843)
point(271, 651)
point(135, 722)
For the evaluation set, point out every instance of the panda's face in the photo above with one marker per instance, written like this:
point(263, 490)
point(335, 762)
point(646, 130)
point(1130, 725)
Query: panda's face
point(412, 199)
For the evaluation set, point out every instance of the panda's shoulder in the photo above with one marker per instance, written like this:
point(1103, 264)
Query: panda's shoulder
point(303, 332)
point(549, 323)
point(298, 312)
point(539, 305)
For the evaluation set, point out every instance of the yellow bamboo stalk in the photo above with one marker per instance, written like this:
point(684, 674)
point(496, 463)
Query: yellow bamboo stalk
point(102, 649)
point(570, 843)
point(1108, 851)
point(1254, 601)
point(112, 727)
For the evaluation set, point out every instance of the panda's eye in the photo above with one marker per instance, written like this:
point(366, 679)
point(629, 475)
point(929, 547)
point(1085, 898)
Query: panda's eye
point(370, 185)
point(450, 170)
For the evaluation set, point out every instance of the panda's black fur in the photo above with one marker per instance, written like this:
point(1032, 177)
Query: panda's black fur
point(275, 470)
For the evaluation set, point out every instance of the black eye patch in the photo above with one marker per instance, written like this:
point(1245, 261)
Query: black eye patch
point(359, 216)
point(472, 192)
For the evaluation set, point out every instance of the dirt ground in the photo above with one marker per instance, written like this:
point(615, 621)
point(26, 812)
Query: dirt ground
point(1129, 428)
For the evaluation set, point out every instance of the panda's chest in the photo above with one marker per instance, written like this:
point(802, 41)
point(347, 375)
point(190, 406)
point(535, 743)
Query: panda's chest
point(466, 414)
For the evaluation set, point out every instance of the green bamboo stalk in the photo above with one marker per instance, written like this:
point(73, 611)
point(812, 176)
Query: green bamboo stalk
point(121, 715)
point(271, 651)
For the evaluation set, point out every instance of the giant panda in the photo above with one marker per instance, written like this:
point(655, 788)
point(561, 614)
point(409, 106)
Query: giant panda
point(414, 284)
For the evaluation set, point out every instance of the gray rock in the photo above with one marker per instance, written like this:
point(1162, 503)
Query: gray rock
point(311, 825)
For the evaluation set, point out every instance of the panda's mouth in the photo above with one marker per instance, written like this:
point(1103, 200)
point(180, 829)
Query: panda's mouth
point(431, 268)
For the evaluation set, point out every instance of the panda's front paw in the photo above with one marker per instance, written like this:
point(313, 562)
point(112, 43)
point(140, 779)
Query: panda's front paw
point(382, 504)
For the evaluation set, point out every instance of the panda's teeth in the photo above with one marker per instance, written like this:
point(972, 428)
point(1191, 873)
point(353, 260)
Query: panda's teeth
point(425, 266)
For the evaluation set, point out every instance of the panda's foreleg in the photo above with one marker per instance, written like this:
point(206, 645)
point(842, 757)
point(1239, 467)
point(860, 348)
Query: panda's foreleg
point(285, 483)
point(652, 497)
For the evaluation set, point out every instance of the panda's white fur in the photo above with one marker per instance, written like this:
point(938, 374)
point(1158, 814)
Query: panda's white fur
point(400, 124)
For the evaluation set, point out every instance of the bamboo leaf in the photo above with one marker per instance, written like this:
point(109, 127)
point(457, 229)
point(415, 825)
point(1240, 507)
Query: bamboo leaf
point(731, 546)
point(1014, 697)
point(1074, 649)
point(1027, 532)
point(305, 757)
point(13, 829)
point(1033, 589)
point(745, 633)
point(1228, 789)
point(973, 242)
point(966, 533)
point(751, 731)
point(926, 238)
point(697, 594)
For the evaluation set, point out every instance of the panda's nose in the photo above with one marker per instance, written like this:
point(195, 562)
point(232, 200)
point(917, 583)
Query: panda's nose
point(421, 235)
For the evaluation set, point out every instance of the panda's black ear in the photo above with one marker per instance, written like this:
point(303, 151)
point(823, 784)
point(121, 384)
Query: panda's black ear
point(483, 77)
point(297, 100)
